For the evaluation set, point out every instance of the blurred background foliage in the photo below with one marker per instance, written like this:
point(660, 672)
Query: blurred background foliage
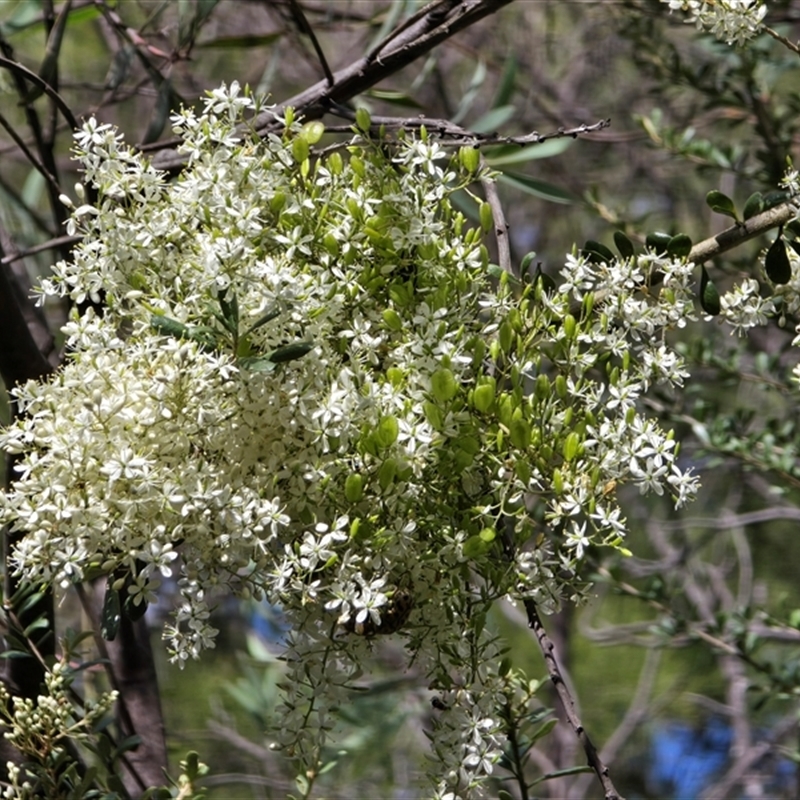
point(689, 647)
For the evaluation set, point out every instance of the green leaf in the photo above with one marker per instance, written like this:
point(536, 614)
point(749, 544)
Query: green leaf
point(543, 730)
point(468, 97)
point(514, 154)
point(257, 364)
point(753, 205)
point(597, 252)
point(475, 547)
point(39, 624)
point(15, 654)
point(110, 615)
point(777, 264)
point(230, 311)
point(363, 120)
point(263, 320)
point(526, 262)
point(387, 432)
point(134, 611)
point(658, 241)
point(540, 189)
point(507, 85)
point(709, 294)
point(443, 385)
point(169, 326)
point(291, 352)
point(624, 245)
point(497, 272)
point(679, 246)
point(561, 773)
point(312, 131)
point(493, 120)
point(721, 204)
point(393, 97)
point(772, 199)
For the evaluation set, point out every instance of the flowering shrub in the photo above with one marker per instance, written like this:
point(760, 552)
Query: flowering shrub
point(733, 21)
point(309, 385)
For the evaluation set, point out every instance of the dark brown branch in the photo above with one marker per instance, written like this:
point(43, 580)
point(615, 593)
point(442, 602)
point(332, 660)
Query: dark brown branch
point(456, 136)
point(547, 648)
point(440, 22)
point(303, 26)
point(130, 668)
point(25, 73)
point(51, 244)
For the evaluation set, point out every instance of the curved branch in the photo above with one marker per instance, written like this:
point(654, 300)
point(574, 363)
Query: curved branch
point(742, 232)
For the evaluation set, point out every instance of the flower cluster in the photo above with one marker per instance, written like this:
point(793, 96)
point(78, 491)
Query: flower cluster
point(308, 386)
point(41, 730)
point(732, 21)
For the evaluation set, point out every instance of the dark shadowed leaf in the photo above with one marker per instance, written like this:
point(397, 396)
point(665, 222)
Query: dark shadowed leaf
point(624, 245)
point(777, 264)
point(110, 615)
point(679, 246)
point(753, 205)
point(709, 295)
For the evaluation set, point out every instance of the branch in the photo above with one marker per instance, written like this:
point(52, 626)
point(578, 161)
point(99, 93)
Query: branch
point(547, 648)
point(742, 232)
point(501, 226)
point(303, 26)
point(439, 22)
point(505, 531)
point(456, 136)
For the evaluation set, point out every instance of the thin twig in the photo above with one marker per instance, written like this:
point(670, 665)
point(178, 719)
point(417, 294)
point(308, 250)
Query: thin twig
point(302, 24)
point(548, 651)
point(567, 701)
point(500, 224)
point(793, 46)
point(24, 72)
point(51, 244)
point(455, 136)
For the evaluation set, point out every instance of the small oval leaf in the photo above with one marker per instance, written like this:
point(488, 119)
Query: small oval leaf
point(709, 294)
point(777, 264)
point(721, 204)
point(658, 241)
point(597, 252)
point(624, 245)
point(753, 205)
point(679, 246)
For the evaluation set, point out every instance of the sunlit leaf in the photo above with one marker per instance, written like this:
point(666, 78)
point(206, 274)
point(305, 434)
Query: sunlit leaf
point(513, 154)
point(493, 120)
